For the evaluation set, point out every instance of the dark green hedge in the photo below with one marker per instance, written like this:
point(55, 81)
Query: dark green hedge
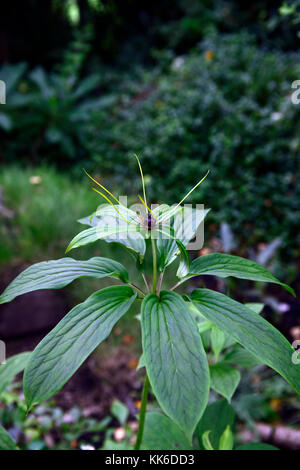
point(225, 107)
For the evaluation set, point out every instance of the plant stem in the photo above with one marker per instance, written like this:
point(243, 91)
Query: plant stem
point(177, 284)
point(154, 265)
point(146, 383)
point(142, 414)
point(146, 282)
point(137, 288)
point(160, 279)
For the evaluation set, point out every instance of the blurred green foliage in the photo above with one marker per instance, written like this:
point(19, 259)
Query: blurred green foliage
point(50, 427)
point(47, 114)
point(225, 106)
point(43, 206)
point(189, 86)
point(126, 31)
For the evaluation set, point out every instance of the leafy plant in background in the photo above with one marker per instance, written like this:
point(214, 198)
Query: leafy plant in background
point(8, 371)
point(214, 431)
point(49, 426)
point(210, 108)
point(42, 207)
point(225, 106)
point(16, 100)
point(50, 113)
point(290, 10)
point(176, 364)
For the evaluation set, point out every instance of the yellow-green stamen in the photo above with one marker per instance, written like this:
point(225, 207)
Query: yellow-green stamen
point(102, 187)
point(187, 195)
point(144, 203)
point(143, 181)
point(112, 204)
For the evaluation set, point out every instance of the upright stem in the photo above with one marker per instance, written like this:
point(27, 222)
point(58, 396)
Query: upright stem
point(146, 383)
point(177, 284)
point(137, 288)
point(160, 279)
point(146, 282)
point(154, 265)
point(142, 414)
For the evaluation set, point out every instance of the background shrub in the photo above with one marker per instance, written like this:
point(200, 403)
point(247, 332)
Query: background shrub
point(224, 107)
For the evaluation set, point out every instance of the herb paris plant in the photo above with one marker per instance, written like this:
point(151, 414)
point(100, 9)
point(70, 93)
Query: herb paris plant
point(176, 363)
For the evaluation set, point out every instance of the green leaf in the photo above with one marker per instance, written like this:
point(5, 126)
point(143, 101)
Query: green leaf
point(251, 331)
point(162, 211)
point(85, 86)
point(175, 359)
point(226, 440)
point(241, 357)
point(186, 223)
point(165, 213)
point(6, 442)
point(13, 366)
point(107, 215)
point(141, 363)
point(206, 441)
point(256, 446)
point(116, 233)
point(218, 339)
point(224, 379)
point(222, 265)
point(160, 433)
point(59, 273)
point(216, 418)
point(204, 325)
point(64, 349)
point(164, 244)
point(184, 265)
point(119, 411)
point(256, 307)
point(105, 211)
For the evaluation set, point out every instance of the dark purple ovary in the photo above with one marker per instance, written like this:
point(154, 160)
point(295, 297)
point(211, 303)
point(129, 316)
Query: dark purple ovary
point(149, 221)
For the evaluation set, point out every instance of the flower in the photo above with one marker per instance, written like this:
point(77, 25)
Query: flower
point(113, 221)
point(149, 220)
